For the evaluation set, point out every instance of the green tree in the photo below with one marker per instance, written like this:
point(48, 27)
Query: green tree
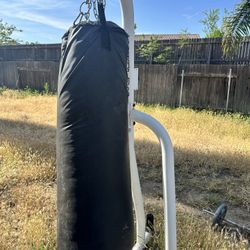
point(236, 27)
point(183, 37)
point(153, 51)
point(164, 55)
point(148, 50)
point(210, 22)
point(6, 30)
point(182, 43)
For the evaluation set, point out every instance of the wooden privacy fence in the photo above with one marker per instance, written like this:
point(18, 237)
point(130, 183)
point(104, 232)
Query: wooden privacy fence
point(183, 51)
point(223, 87)
point(29, 65)
point(219, 87)
point(34, 52)
point(34, 74)
point(200, 51)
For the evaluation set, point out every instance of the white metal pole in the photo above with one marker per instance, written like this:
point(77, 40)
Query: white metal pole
point(228, 87)
point(143, 237)
point(137, 195)
point(168, 175)
point(181, 90)
point(128, 25)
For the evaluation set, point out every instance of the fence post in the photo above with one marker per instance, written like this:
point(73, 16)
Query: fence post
point(228, 87)
point(182, 81)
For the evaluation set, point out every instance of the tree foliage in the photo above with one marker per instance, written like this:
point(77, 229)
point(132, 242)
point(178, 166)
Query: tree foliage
point(164, 55)
point(182, 43)
point(154, 52)
point(210, 22)
point(6, 30)
point(148, 50)
point(236, 26)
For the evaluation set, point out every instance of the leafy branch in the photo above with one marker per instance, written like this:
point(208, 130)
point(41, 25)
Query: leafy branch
point(236, 27)
point(6, 30)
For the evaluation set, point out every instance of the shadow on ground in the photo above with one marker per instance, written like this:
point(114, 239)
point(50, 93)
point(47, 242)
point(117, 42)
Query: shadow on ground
point(29, 136)
point(202, 180)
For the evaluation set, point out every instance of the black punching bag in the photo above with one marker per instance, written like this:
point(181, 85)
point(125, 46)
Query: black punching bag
point(94, 204)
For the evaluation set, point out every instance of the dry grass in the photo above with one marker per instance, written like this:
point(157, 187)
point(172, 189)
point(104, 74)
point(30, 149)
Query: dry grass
point(27, 171)
point(193, 230)
point(212, 154)
point(212, 165)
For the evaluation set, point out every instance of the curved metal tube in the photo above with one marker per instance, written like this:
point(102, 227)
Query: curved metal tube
point(168, 175)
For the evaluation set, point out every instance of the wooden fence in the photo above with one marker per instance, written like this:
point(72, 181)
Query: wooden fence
point(192, 51)
point(34, 74)
point(36, 52)
point(203, 86)
point(200, 51)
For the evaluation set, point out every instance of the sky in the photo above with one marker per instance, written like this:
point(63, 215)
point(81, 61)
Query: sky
point(45, 21)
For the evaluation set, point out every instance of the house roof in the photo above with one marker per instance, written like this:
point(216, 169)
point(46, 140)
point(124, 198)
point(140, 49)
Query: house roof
point(147, 37)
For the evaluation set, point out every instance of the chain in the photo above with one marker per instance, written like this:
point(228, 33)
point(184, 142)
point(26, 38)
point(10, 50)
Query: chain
point(89, 4)
point(95, 3)
point(95, 7)
point(86, 14)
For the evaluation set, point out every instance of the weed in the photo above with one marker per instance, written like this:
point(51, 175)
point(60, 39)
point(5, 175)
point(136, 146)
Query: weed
point(2, 89)
point(46, 90)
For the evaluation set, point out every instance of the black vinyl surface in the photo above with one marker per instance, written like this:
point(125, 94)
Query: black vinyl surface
point(94, 203)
